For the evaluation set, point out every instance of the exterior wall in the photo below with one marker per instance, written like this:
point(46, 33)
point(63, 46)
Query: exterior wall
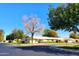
point(76, 40)
point(34, 41)
point(44, 40)
point(66, 40)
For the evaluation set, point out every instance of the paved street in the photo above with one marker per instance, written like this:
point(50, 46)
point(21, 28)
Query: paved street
point(36, 51)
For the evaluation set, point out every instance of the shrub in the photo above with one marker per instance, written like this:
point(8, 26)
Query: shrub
point(17, 41)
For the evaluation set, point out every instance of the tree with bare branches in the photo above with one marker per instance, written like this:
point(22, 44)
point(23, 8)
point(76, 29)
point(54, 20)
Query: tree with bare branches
point(32, 25)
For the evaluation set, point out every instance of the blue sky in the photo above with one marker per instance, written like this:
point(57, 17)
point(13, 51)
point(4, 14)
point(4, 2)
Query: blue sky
point(11, 16)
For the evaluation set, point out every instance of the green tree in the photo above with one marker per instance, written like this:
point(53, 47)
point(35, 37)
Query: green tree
point(65, 17)
point(16, 34)
point(50, 33)
point(1, 35)
point(45, 33)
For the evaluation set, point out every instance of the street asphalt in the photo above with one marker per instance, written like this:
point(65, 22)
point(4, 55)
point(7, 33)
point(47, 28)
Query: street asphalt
point(36, 51)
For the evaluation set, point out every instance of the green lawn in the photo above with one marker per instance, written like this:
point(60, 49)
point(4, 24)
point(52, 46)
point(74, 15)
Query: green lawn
point(70, 47)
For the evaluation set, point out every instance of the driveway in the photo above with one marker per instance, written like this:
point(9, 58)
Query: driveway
point(36, 51)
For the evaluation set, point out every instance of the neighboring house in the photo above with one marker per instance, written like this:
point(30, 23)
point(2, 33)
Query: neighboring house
point(48, 39)
point(53, 39)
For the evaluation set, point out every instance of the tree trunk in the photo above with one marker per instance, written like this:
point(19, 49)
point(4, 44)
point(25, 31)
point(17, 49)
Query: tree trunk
point(32, 37)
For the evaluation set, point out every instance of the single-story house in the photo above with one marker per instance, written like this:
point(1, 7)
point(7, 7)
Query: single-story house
point(53, 39)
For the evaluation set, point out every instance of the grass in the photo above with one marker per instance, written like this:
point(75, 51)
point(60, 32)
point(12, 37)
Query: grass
point(70, 47)
point(32, 44)
point(15, 45)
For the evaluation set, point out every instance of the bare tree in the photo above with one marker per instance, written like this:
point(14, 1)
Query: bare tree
point(32, 25)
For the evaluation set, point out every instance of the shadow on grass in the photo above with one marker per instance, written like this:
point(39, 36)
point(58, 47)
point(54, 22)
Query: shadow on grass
point(47, 49)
